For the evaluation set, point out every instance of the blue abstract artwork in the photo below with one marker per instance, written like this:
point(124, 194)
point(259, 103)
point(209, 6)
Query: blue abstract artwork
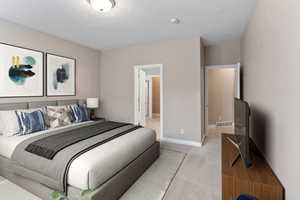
point(21, 72)
point(18, 73)
point(61, 75)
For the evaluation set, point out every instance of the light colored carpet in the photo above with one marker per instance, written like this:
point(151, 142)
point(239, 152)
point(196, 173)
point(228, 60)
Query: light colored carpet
point(10, 191)
point(199, 177)
point(153, 184)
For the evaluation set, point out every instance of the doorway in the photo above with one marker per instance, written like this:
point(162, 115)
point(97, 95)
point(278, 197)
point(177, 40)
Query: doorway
point(148, 98)
point(222, 84)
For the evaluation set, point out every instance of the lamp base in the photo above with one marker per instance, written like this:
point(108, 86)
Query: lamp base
point(92, 114)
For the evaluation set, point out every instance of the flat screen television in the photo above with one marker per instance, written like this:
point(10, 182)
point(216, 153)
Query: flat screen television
point(241, 130)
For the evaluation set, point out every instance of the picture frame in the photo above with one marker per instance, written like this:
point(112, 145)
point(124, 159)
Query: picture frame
point(21, 72)
point(60, 75)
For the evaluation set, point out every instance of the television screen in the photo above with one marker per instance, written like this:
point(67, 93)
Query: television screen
point(241, 129)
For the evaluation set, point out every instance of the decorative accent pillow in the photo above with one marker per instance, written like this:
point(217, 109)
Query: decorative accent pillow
point(9, 123)
point(71, 114)
point(58, 116)
point(80, 113)
point(68, 109)
point(43, 109)
point(31, 122)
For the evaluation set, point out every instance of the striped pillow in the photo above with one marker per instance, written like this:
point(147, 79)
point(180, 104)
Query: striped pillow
point(43, 109)
point(70, 111)
point(58, 116)
point(80, 113)
point(31, 122)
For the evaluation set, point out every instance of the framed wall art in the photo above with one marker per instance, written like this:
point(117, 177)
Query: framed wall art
point(61, 75)
point(21, 72)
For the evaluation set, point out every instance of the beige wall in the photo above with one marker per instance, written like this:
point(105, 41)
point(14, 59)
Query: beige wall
point(220, 95)
point(87, 59)
point(224, 54)
point(181, 84)
point(270, 59)
point(156, 95)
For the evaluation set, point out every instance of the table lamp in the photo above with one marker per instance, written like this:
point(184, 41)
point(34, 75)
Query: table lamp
point(92, 104)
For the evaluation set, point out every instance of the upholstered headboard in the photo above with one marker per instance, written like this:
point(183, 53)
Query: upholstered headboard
point(67, 102)
point(38, 104)
point(13, 106)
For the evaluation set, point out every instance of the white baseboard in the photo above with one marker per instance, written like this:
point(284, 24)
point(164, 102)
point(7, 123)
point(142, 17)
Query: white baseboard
point(184, 142)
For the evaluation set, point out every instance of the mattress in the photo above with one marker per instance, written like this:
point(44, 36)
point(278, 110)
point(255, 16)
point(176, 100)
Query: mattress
point(96, 166)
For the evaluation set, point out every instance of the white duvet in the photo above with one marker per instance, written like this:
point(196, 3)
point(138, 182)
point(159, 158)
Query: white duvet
point(94, 167)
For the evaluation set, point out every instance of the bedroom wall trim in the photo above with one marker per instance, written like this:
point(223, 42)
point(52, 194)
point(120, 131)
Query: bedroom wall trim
point(184, 142)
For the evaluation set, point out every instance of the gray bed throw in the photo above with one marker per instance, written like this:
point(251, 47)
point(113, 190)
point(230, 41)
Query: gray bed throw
point(53, 173)
point(48, 147)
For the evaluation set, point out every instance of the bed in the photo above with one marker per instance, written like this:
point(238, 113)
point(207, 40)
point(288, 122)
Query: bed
point(108, 169)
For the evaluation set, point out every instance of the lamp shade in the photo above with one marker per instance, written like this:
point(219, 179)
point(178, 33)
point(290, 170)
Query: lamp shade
point(92, 102)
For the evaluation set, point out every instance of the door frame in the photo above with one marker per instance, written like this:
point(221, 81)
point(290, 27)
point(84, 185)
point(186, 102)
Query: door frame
point(149, 77)
point(136, 93)
point(149, 95)
point(237, 68)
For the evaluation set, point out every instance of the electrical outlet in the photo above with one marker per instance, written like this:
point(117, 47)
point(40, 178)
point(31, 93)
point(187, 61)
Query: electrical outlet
point(182, 131)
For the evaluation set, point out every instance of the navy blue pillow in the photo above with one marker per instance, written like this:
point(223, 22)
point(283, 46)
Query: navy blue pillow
point(80, 113)
point(31, 122)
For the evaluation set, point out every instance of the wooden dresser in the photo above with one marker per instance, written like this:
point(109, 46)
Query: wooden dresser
point(258, 181)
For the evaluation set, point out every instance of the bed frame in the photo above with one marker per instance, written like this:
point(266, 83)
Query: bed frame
point(112, 189)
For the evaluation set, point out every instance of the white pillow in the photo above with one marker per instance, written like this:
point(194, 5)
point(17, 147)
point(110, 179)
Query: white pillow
point(9, 123)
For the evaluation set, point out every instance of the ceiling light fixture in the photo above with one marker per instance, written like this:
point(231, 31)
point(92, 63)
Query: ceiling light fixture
point(102, 5)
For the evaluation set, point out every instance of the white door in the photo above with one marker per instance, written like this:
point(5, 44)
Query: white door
point(142, 98)
point(147, 98)
point(206, 101)
point(150, 98)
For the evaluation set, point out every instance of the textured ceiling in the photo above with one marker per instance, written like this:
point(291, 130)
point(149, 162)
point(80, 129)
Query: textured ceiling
point(132, 21)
